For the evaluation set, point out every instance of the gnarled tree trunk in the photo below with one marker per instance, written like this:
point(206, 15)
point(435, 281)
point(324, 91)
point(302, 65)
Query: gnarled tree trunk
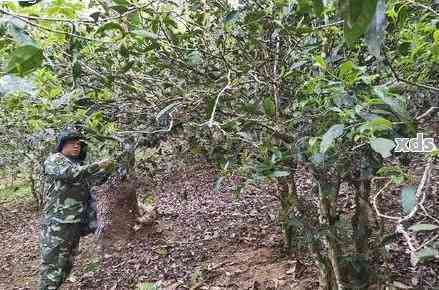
point(117, 207)
point(331, 274)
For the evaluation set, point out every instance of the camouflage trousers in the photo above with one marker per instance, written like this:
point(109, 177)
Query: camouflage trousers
point(59, 244)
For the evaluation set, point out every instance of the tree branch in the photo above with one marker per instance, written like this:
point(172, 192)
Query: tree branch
point(50, 29)
point(210, 122)
point(328, 25)
point(423, 6)
point(427, 113)
point(399, 78)
point(21, 16)
point(171, 125)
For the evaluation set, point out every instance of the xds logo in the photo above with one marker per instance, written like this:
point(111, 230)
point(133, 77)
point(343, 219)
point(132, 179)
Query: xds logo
point(418, 144)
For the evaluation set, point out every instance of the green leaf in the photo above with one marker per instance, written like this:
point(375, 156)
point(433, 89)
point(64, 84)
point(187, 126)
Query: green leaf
point(35, 124)
point(426, 254)
point(380, 123)
point(279, 173)
point(408, 198)
point(382, 146)
point(318, 7)
point(195, 57)
point(25, 59)
point(231, 125)
point(95, 120)
point(436, 37)
point(269, 106)
point(423, 227)
point(20, 35)
point(231, 17)
point(111, 26)
point(119, 8)
point(377, 29)
point(320, 62)
point(329, 137)
point(395, 104)
point(249, 108)
point(76, 70)
point(357, 15)
point(121, 2)
point(348, 73)
point(397, 175)
point(145, 34)
point(170, 22)
point(346, 68)
point(124, 50)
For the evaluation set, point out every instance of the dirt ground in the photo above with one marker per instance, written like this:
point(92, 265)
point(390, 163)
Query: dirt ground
point(201, 239)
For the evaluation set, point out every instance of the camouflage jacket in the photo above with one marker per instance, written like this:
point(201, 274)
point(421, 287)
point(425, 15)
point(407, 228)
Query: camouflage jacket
point(68, 187)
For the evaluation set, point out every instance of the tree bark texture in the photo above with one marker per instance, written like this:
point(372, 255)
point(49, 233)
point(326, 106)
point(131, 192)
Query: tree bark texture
point(117, 207)
point(328, 215)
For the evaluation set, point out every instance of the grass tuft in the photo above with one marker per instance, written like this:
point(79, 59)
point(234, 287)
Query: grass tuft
point(19, 191)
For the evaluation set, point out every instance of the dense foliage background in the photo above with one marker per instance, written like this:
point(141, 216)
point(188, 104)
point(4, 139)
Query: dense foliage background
point(261, 88)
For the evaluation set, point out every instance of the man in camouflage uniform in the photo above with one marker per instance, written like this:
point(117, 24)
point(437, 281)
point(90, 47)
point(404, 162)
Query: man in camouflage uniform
point(70, 209)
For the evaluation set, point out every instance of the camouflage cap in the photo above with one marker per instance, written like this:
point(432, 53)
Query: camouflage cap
point(68, 135)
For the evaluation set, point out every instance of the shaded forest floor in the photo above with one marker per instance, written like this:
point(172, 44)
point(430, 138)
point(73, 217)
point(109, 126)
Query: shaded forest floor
point(201, 239)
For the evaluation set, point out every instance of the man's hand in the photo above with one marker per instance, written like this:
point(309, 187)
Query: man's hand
point(106, 164)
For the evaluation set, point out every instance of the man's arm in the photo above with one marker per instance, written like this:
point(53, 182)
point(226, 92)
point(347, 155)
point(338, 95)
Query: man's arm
point(60, 168)
point(99, 177)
